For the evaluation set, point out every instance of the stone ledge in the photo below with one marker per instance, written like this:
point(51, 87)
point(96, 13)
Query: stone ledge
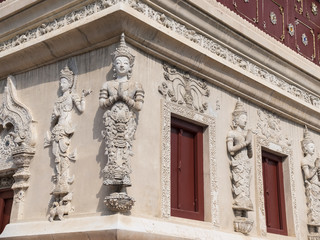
point(120, 227)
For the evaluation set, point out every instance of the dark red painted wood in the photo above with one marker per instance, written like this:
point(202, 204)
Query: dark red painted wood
point(274, 193)
point(298, 13)
point(6, 200)
point(186, 170)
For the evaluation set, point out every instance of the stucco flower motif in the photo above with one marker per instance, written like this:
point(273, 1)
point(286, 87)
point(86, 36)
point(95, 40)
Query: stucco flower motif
point(273, 18)
point(291, 29)
point(304, 39)
point(314, 9)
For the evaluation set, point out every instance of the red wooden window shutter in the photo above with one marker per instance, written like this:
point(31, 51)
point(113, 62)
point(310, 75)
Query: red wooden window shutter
point(186, 170)
point(274, 193)
point(6, 199)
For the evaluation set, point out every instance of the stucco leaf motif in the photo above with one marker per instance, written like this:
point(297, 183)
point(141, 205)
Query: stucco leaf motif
point(184, 89)
point(269, 127)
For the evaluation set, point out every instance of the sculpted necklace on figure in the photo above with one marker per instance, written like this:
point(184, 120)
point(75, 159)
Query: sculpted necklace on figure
point(122, 99)
point(60, 140)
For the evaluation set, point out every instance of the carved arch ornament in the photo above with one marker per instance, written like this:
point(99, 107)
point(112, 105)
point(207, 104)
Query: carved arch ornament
point(17, 141)
point(278, 145)
point(167, 109)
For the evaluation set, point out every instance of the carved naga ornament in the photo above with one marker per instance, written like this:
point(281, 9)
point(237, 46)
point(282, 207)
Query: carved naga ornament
point(310, 165)
point(60, 138)
point(122, 98)
point(17, 141)
point(239, 144)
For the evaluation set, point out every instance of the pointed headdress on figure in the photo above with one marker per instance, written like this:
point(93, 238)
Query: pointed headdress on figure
point(239, 109)
point(306, 138)
point(67, 74)
point(123, 51)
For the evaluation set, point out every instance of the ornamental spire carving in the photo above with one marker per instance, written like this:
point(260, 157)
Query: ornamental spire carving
point(310, 165)
point(122, 98)
point(239, 145)
point(17, 141)
point(60, 138)
point(184, 89)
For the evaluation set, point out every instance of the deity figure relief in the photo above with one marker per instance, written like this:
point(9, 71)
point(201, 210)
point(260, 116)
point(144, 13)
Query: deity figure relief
point(239, 145)
point(310, 165)
point(122, 99)
point(61, 135)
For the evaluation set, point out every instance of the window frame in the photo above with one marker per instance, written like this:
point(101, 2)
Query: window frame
point(6, 204)
point(211, 191)
point(281, 195)
point(198, 180)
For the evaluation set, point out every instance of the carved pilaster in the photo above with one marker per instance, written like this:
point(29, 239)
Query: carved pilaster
point(17, 140)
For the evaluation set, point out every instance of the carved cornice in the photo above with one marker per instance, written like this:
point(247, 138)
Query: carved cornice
point(169, 108)
point(187, 32)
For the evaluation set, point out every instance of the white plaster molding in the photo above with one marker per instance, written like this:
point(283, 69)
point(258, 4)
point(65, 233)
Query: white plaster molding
point(184, 89)
point(216, 48)
point(267, 141)
point(121, 227)
point(17, 140)
point(168, 109)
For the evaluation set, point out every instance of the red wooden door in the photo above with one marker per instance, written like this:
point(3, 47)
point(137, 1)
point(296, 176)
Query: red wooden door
point(6, 200)
point(274, 194)
point(186, 170)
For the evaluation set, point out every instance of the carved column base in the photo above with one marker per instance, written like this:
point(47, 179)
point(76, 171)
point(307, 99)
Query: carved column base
point(243, 225)
point(119, 202)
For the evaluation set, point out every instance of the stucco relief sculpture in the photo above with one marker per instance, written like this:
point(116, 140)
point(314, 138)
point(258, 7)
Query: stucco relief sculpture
point(239, 144)
point(184, 89)
point(60, 139)
point(17, 141)
point(310, 165)
point(122, 98)
point(269, 127)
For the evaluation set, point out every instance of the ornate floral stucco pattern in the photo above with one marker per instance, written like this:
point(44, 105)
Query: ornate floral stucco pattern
point(17, 141)
point(269, 127)
point(184, 89)
point(205, 42)
point(265, 139)
point(167, 109)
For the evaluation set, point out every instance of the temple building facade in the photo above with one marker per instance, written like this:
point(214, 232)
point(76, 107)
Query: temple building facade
point(160, 119)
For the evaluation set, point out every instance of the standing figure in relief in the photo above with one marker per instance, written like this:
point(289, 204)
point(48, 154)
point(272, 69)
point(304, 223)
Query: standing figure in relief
point(310, 165)
point(60, 140)
point(240, 149)
point(122, 99)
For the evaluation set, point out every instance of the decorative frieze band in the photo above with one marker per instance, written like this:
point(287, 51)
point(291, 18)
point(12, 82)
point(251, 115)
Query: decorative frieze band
point(192, 35)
